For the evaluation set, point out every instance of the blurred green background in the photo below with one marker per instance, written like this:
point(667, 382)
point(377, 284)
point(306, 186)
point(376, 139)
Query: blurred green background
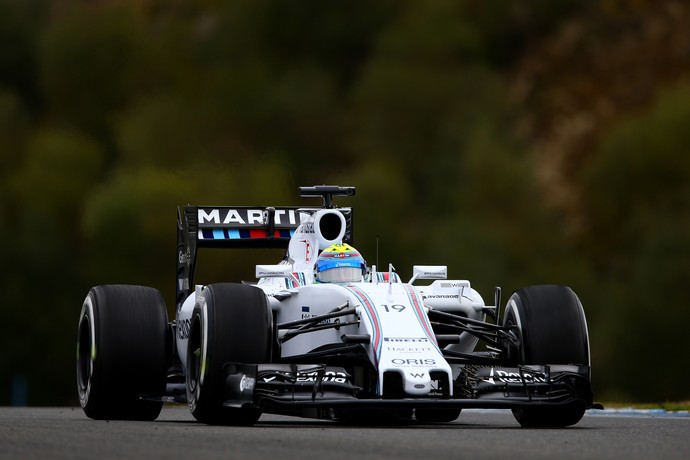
point(519, 142)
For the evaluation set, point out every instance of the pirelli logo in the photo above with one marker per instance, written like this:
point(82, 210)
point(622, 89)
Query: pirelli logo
point(406, 339)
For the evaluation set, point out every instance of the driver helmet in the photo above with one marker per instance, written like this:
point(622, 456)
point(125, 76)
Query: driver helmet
point(340, 263)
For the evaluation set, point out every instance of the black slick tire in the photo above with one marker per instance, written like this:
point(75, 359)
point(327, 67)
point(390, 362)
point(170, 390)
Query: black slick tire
point(122, 352)
point(553, 330)
point(231, 323)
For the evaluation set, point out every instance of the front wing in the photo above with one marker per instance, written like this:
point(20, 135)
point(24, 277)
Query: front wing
point(317, 390)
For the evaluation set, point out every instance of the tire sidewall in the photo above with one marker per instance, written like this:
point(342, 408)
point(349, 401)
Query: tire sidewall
point(122, 352)
point(87, 324)
point(513, 316)
point(551, 329)
point(564, 340)
point(221, 319)
point(196, 375)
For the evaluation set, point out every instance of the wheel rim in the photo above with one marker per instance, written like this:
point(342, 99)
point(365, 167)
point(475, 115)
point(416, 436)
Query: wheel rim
point(194, 354)
point(512, 319)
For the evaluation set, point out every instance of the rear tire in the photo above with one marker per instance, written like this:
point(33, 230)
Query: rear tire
point(122, 352)
point(553, 330)
point(230, 323)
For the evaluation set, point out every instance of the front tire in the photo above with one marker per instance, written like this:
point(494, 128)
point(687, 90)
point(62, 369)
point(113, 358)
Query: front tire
point(552, 329)
point(122, 351)
point(230, 323)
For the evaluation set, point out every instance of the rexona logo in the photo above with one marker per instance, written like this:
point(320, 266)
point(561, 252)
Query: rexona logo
point(247, 383)
point(183, 257)
point(328, 376)
point(501, 376)
point(245, 216)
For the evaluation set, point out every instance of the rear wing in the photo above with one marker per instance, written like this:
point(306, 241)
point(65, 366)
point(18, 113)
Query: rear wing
point(245, 226)
point(238, 227)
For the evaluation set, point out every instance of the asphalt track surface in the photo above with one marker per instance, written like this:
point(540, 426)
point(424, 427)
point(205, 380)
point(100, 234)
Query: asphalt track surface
point(66, 433)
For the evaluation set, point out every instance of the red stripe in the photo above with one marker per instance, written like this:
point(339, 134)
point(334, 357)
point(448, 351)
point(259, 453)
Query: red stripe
point(421, 315)
point(374, 319)
point(260, 233)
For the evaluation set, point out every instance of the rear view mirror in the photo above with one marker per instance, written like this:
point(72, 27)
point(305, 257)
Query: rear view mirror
point(429, 272)
point(273, 271)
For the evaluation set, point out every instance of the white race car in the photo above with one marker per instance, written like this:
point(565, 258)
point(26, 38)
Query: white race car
point(361, 348)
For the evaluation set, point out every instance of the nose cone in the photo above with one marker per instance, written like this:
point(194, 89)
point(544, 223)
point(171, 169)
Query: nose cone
point(416, 383)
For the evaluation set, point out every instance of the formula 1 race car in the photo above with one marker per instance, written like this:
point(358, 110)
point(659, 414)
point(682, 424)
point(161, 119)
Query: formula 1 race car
point(358, 349)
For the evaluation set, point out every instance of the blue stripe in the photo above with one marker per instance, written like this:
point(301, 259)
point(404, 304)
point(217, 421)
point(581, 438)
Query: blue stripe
point(235, 233)
point(423, 319)
point(372, 313)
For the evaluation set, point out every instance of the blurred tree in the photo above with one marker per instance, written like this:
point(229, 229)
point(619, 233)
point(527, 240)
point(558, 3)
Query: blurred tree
point(460, 122)
point(423, 96)
point(129, 222)
point(20, 24)
point(42, 261)
point(89, 66)
point(15, 127)
point(636, 194)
